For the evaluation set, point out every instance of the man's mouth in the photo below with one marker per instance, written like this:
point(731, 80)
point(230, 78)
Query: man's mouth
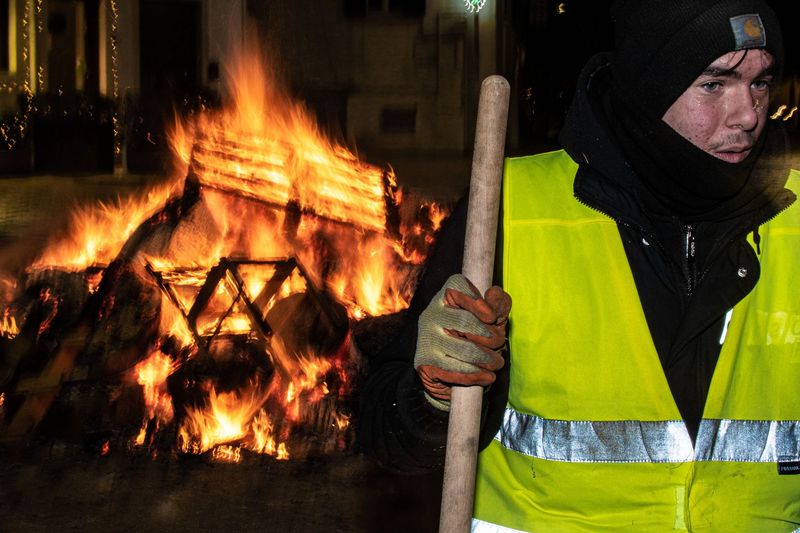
point(734, 154)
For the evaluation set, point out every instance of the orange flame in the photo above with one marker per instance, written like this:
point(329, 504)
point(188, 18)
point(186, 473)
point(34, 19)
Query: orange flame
point(225, 420)
point(437, 215)
point(8, 326)
point(263, 439)
point(342, 421)
point(96, 233)
point(152, 374)
point(282, 454)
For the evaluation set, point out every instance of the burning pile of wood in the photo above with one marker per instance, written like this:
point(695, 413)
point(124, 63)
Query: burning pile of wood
point(220, 321)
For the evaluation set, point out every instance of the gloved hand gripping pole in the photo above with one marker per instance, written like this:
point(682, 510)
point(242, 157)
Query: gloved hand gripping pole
point(479, 248)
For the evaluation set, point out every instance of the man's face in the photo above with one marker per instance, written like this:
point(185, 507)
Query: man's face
point(724, 111)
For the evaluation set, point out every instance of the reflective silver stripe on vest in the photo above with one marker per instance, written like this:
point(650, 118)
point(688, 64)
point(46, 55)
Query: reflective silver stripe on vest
point(479, 526)
point(752, 441)
point(633, 441)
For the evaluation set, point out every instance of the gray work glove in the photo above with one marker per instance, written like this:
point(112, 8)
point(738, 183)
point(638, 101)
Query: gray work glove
point(461, 337)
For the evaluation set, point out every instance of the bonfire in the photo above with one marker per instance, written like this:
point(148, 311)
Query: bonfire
point(220, 303)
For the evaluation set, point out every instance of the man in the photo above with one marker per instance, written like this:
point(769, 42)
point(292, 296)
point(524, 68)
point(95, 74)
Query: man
point(654, 336)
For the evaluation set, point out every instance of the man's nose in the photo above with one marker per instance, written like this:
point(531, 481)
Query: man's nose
point(743, 110)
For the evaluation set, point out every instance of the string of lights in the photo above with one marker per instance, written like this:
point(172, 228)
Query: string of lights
point(115, 79)
point(39, 16)
point(9, 86)
point(14, 127)
point(40, 74)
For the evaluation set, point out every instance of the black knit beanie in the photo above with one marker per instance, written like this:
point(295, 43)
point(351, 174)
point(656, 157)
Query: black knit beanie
point(662, 46)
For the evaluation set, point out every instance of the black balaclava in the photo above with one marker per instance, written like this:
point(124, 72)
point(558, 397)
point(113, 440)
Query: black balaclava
point(661, 47)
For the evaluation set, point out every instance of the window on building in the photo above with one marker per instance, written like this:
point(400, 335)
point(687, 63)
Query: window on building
point(398, 120)
point(5, 35)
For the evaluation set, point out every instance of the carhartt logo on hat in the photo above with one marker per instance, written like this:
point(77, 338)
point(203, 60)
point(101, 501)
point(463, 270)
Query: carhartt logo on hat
point(748, 30)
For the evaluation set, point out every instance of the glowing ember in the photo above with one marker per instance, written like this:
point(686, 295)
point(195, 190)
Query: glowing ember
point(141, 437)
point(282, 454)
point(51, 302)
point(227, 454)
point(8, 326)
point(152, 374)
point(341, 421)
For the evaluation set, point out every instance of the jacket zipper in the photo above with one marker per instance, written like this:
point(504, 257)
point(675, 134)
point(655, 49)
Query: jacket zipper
point(690, 256)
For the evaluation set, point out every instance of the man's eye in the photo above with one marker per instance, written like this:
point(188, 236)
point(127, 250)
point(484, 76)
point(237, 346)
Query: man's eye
point(761, 85)
point(711, 86)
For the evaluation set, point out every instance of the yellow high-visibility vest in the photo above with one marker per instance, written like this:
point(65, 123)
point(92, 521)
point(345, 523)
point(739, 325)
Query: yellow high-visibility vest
point(592, 439)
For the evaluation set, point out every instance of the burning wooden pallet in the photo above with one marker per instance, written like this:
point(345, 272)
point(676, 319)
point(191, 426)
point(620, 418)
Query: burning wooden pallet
point(335, 185)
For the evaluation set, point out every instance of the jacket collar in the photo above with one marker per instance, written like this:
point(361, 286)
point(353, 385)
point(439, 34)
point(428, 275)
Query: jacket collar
point(606, 182)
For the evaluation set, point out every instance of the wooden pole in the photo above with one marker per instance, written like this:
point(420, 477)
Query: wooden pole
point(479, 246)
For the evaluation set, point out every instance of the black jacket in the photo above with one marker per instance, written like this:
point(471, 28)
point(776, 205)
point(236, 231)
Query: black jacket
point(687, 275)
